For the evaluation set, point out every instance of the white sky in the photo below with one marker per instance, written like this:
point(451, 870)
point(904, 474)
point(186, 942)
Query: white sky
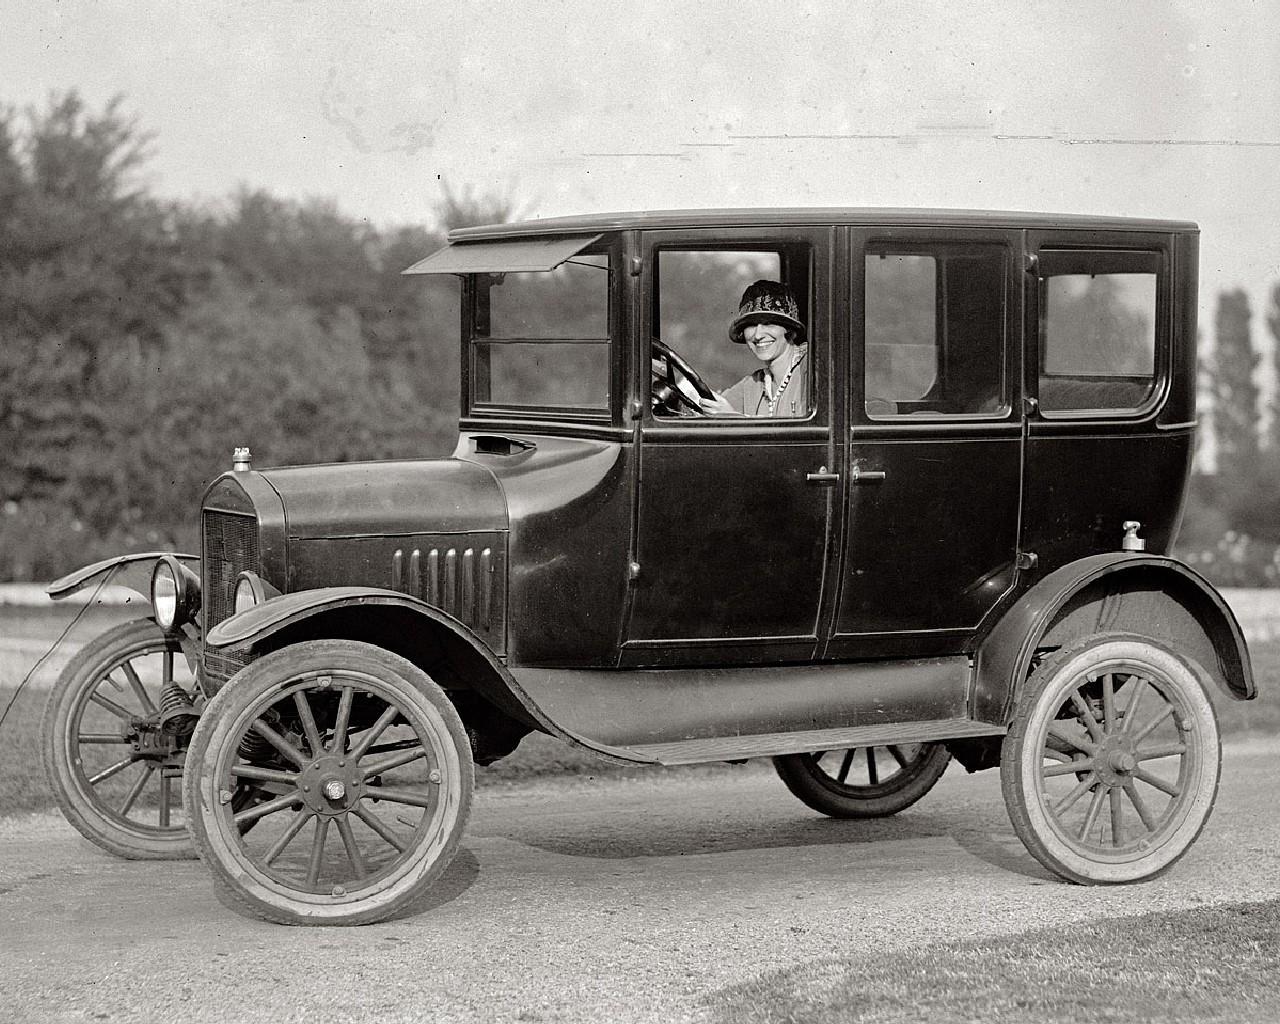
point(1147, 108)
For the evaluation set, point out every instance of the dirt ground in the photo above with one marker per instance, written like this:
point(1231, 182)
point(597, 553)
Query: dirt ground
point(605, 900)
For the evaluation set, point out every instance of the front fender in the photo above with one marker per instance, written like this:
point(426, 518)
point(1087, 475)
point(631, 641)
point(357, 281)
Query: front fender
point(256, 624)
point(1148, 594)
point(131, 571)
point(490, 676)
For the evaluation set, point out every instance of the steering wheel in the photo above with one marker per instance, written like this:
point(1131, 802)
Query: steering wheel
point(670, 369)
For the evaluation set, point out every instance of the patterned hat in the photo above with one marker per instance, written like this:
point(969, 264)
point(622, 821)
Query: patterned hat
point(767, 302)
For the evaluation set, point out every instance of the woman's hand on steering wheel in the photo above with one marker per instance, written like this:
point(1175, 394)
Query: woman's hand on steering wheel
point(717, 405)
point(670, 370)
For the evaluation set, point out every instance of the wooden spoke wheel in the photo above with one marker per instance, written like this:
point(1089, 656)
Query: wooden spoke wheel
point(863, 782)
point(1110, 768)
point(114, 769)
point(365, 776)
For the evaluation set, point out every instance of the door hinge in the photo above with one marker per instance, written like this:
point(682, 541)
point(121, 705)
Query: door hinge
point(1026, 560)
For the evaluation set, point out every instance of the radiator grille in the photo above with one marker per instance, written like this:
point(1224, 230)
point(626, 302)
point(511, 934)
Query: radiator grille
point(230, 547)
point(222, 664)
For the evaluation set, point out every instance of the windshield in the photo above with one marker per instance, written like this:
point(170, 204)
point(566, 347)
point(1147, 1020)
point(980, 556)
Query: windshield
point(540, 340)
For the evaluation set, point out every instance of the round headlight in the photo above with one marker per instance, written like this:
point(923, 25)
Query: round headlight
point(251, 590)
point(246, 596)
point(175, 593)
point(164, 595)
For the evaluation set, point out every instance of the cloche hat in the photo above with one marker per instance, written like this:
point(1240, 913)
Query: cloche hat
point(767, 302)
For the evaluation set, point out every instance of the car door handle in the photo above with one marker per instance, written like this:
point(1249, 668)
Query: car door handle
point(823, 476)
point(866, 476)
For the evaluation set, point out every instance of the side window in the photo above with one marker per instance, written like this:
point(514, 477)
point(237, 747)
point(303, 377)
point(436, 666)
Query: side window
point(934, 319)
point(698, 301)
point(541, 339)
point(1097, 334)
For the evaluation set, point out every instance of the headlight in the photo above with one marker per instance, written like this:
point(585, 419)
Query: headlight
point(175, 593)
point(251, 590)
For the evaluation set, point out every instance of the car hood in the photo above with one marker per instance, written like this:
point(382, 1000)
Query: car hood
point(381, 499)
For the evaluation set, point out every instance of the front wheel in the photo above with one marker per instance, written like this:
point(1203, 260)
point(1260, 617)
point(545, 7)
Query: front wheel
point(112, 766)
point(365, 773)
point(1110, 768)
point(863, 782)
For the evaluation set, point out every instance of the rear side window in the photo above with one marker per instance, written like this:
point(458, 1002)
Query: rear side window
point(1098, 319)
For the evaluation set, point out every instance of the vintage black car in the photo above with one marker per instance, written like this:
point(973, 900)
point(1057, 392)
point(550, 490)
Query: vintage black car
point(954, 545)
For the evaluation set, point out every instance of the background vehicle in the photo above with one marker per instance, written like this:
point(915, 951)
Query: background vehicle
point(958, 549)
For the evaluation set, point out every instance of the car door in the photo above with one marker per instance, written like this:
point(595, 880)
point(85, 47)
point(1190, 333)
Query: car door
point(934, 450)
point(732, 513)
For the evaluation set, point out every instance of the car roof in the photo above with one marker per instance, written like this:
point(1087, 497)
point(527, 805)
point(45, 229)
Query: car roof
point(810, 216)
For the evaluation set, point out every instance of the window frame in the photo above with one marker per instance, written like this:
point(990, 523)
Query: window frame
point(810, 246)
point(474, 321)
point(1057, 259)
point(934, 244)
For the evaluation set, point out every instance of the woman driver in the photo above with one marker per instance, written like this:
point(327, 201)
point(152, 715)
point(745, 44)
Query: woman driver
point(768, 323)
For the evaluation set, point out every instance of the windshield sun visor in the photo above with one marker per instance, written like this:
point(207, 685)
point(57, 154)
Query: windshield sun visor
point(505, 257)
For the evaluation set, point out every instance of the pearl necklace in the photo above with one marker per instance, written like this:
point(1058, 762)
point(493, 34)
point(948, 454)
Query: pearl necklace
point(777, 395)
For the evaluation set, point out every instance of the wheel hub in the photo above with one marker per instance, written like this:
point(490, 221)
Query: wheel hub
point(331, 785)
point(1115, 761)
point(150, 741)
point(1122, 761)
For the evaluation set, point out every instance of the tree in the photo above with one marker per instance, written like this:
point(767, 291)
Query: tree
point(466, 208)
point(1235, 394)
point(89, 268)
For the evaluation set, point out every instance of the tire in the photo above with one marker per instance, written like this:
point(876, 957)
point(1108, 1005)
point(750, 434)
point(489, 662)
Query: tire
point(368, 777)
point(113, 771)
point(821, 780)
point(1125, 722)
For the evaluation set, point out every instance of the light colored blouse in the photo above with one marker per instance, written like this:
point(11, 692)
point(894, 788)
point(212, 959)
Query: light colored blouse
point(757, 394)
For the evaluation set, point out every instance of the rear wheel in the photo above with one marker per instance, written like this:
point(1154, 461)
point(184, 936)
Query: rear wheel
point(1110, 768)
point(863, 782)
point(116, 773)
point(366, 777)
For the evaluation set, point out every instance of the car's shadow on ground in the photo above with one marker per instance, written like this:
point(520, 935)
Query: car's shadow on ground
point(985, 836)
point(458, 877)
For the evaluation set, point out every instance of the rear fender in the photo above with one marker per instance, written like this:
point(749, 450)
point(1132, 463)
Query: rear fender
point(1146, 594)
point(432, 639)
point(131, 571)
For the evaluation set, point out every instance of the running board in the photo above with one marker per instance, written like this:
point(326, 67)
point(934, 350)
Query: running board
point(736, 748)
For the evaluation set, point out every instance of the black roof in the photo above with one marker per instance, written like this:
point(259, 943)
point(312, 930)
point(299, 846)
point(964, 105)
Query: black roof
point(809, 216)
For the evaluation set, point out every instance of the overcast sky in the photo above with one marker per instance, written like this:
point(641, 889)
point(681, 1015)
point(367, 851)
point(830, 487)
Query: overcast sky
point(1147, 108)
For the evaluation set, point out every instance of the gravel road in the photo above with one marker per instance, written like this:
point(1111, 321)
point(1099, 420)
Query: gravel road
point(604, 900)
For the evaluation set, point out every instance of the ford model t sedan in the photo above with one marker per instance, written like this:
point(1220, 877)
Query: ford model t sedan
point(860, 491)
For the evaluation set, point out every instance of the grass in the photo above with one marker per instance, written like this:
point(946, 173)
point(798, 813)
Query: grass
point(1203, 965)
point(25, 789)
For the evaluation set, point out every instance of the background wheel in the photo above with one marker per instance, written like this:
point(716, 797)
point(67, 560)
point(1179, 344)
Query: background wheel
point(863, 782)
point(1110, 768)
point(364, 774)
point(114, 771)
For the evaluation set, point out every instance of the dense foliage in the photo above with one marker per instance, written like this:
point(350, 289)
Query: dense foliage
point(140, 341)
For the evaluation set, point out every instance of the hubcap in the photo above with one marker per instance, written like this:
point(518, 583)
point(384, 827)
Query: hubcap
point(330, 786)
